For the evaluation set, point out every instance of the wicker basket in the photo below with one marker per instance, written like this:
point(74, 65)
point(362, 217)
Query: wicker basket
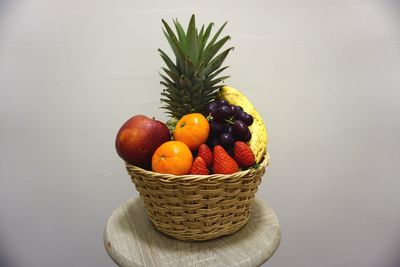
point(198, 207)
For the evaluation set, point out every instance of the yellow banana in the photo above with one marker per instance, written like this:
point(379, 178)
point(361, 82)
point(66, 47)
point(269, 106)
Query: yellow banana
point(259, 139)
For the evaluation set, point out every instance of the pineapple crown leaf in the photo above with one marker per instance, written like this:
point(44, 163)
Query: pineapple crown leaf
point(210, 52)
point(220, 79)
point(192, 41)
point(192, 48)
point(217, 62)
point(206, 35)
point(215, 73)
point(168, 61)
point(174, 77)
point(217, 34)
point(167, 82)
point(182, 59)
point(211, 44)
point(181, 33)
point(191, 80)
point(201, 33)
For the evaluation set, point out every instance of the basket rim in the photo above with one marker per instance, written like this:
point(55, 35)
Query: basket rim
point(190, 177)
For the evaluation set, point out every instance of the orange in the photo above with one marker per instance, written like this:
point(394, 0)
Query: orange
point(173, 157)
point(193, 130)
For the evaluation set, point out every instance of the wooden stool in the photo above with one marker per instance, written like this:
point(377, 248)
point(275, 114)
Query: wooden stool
point(131, 240)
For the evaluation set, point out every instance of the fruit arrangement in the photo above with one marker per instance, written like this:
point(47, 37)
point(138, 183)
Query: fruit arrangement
point(198, 172)
point(214, 129)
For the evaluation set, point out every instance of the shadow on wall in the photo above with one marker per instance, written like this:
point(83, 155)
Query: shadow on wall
point(7, 9)
point(5, 260)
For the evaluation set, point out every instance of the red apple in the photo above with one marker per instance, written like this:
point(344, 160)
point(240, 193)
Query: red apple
point(138, 138)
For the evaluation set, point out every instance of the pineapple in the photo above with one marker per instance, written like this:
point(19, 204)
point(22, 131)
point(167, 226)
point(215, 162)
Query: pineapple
point(192, 81)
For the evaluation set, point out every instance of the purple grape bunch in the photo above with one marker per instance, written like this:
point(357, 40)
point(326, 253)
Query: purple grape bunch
point(228, 123)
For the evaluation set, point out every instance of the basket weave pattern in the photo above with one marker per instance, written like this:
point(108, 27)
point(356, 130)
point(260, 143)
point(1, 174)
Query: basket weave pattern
point(197, 207)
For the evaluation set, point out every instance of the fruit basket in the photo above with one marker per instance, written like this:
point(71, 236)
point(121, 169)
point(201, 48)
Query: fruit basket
point(198, 173)
point(198, 207)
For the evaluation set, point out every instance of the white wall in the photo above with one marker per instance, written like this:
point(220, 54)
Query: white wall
point(324, 75)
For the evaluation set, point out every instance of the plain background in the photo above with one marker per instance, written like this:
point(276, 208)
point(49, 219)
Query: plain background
point(325, 75)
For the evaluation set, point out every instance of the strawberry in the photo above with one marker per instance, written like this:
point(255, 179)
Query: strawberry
point(199, 167)
point(243, 154)
point(223, 163)
point(206, 153)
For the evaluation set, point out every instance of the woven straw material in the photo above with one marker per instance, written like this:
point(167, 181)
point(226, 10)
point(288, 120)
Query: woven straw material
point(198, 207)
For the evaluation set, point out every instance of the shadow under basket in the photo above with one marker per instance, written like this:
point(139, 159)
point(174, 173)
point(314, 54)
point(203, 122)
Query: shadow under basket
point(198, 207)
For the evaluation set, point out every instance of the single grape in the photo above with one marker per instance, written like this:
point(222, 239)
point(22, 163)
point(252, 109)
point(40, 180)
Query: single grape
point(223, 112)
point(240, 130)
point(226, 140)
point(217, 115)
point(221, 102)
point(235, 111)
point(226, 110)
point(216, 128)
point(211, 107)
point(228, 128)
point(247, 137)
point(246, 118)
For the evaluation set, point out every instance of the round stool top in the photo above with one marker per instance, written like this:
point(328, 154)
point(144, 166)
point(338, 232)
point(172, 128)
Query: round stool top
point(131, 240)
